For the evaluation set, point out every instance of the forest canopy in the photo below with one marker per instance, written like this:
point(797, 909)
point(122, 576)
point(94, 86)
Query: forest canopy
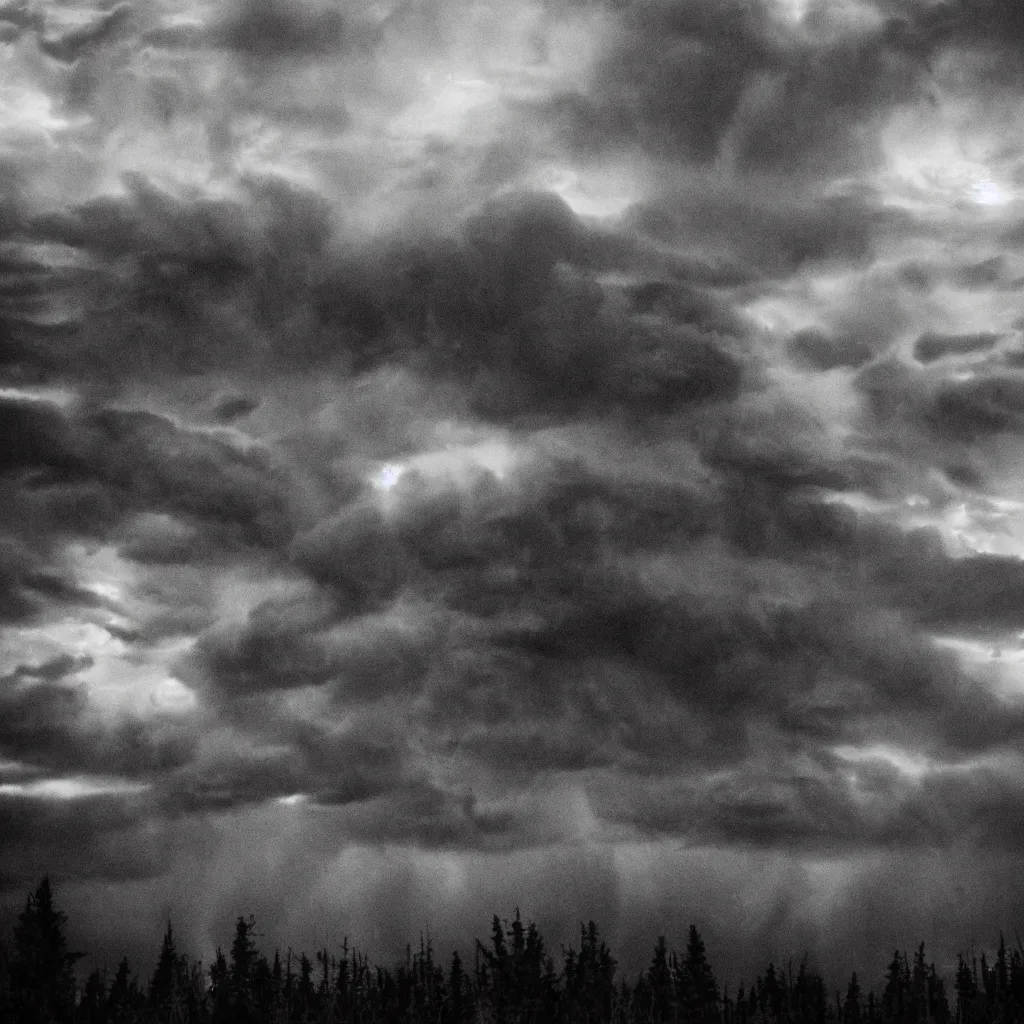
point(513, 978)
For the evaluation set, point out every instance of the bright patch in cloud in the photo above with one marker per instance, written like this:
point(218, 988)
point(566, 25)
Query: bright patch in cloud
point(444, 106)
point(27, 112)
point(173, 695)
point(793, 10)
point(458, 465)
point(987, 192)
point(915, 766)
point(71, 788)
point(387, 476)
point(588, 195)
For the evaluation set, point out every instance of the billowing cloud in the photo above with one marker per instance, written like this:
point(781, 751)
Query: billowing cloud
point(481, 438)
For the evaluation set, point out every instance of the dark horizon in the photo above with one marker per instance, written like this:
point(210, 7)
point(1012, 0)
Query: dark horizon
point(737, 965)
point(993, 974)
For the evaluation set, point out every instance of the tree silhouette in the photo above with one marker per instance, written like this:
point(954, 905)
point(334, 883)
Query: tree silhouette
point(852, 1003)
point(514, 982)
point(659, 978)
point(459, 1005)
point(42, 979)
point(92, 1009)
point(162, 984)
point(696, 988)
point(124, 1001)
point(241, 970)
point(220, 990)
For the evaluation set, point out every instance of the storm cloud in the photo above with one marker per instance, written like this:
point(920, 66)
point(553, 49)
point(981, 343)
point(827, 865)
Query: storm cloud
point(511, 436)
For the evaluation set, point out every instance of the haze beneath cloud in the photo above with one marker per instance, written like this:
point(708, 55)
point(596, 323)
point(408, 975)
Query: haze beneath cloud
point(458, 455)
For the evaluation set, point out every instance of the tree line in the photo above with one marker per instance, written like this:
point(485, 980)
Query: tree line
point(511, 979)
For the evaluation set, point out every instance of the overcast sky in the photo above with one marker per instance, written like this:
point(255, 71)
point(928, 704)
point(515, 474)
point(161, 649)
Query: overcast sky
point(460, 454)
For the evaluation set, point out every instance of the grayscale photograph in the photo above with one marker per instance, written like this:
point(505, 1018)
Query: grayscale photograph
point(511, 511)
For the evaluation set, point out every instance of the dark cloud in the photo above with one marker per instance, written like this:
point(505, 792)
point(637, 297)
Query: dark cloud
point(358, 554)
point(822, 109)
point(146, 461)
point(515, 242)
point(331, 763)
point(221, 781)
point(161, 272)
point(932, 345)
point(309, 641)
point(667, 369)
point(672, 78)
point(150, 222)
point(69, 46)
point(825, 352)
point(984, 405)
point(688, 80)
point(348, 769)
point(107, 833)
point(38, 438)
point(18, 13)
point(192, 474)
point(984, 274)
point(471, 287)
point(462, 519)
point(162, 539)
point(975, 592)
point(427, 815)
point(831, 806)
point(49, 671)
point(275, 29)
point(233, 407)
point(777, 236)
point(952, 421)
point(918, 276)
point(982, 25)
point(48, 723)
point(894, 390)
point(30, 583)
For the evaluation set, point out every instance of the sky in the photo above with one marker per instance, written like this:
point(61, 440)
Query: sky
point(458, 455)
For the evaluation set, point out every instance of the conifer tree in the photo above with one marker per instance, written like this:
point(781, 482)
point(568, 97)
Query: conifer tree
point(124, 1001)
point(590, 986)
point(966, 992)
point(772, 994)
point(1002, 980)
point(755, 1011)
point(918, 994)
point(938, 1005)
point(342, 985)
point(642, 1001)
point(262, 992)
point(220, 989)
point(495, 973)
point(459, 1003)
point(42, 980)
point(288, 989)
point(5, 987)
point(305, 991)
point(162, 984)
point(243, 963)
point(659, 978)
point(851, 1005)
point(895, 992)
point(92, 1008)
point(696, 988)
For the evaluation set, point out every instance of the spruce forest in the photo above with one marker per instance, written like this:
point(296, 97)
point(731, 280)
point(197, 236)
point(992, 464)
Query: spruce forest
point(512, 979)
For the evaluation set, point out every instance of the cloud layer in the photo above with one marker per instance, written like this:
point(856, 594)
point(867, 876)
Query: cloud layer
point(518, 435)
